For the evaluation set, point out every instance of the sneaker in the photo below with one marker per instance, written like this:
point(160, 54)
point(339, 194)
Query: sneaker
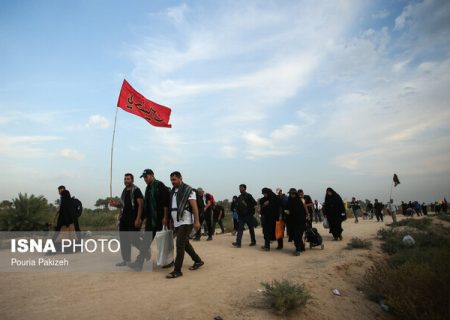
point(296, 253)
point(264, 248)
point(236, 245)
point(122, 264)
point(252, 244)
point(209, 239)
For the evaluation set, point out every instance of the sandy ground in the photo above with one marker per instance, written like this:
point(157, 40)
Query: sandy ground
point(226, 286)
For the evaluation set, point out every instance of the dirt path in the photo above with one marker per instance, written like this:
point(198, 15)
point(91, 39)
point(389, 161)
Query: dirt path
point(226, 286)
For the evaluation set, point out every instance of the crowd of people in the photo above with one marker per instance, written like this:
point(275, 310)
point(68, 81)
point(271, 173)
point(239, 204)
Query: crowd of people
point(185, 210)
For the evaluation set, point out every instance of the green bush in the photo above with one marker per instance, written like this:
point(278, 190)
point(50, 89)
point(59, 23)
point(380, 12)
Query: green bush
point(437, 236)
point(392, 240)
point(285, 295)
point(412, 290)
point(414, 281)
point(357, 243)
point(421, 224)
point(26, 213)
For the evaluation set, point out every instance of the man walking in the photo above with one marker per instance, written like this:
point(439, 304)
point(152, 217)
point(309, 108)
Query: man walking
point(156, 205)
point(131, 205)
point(317, 214)
point(219, 214)
point(355, 207)
point(201, 212)
point(245, 209)
point(184, 211)
point(208, 210)
point(392, 210)
point(378, 207)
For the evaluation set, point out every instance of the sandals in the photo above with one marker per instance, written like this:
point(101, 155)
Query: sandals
point(174, 274)
point(196, 265)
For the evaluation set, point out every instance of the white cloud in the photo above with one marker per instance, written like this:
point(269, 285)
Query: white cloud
point(307, 118)
point(229, 152)
point(381, 14)
point(424, 26)
point(285, 132)
point(72, 154)
point(241, 31)
point(4, 119)
point(27, 147)
point(177, 14)
point(279, 142)
point(45, 117)
point(251, 63)
point(98, 121)
point(401, 123)
point(400, 21)
point(399, 66)
point(386, 159)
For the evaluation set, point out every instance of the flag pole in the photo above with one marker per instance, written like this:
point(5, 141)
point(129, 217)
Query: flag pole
point(112, 152)
point(390, 194)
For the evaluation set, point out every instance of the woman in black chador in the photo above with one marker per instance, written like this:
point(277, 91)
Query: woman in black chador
point(296, 220)
point(334, 209)
point(269, 213)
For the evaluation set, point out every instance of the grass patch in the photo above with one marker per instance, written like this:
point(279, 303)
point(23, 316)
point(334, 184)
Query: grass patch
point(443, 217)
point(421, 224)
point(437, 236)
point(357, 243)
point(103, 220)
point(414, 280)
point(285, 295)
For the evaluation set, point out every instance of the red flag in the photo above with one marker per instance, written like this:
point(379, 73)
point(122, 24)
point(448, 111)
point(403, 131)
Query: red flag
point(396, 181)
point(133, 102)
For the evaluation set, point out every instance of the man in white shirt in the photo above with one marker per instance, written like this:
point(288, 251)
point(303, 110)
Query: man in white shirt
point(184, 211)
point(317, 214)
point(392, 210)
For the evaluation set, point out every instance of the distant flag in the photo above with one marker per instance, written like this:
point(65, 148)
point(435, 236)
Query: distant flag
point(396, 181)
point(133, 102)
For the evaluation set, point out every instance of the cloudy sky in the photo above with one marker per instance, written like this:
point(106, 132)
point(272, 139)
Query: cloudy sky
point(305, 94)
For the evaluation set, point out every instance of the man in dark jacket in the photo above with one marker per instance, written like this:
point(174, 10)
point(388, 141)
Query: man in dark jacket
point(131, 204)
point(245, 209)
point(156, 205)
point(218, 215)
point(355, 207)
point(201, 212)
point(378, 207)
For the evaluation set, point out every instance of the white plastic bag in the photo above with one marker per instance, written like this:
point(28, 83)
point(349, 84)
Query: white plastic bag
point(326, 225)
point(164, 243)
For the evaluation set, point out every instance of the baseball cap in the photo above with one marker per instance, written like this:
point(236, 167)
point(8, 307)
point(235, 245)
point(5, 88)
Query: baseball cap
point(146, 172)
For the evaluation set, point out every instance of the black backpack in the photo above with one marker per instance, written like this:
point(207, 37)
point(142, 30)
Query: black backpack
point(78, 207)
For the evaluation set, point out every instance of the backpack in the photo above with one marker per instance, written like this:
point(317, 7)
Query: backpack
point(211, 198)
point(78, 206)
